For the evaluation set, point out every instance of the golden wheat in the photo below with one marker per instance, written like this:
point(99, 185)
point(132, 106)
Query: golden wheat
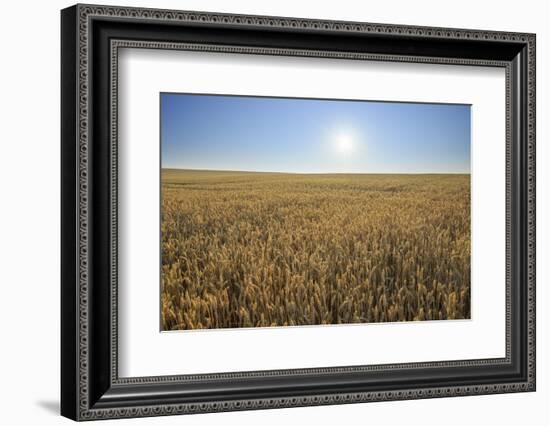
point(269, 249)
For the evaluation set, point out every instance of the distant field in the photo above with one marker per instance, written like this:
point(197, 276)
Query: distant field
point(246, 249)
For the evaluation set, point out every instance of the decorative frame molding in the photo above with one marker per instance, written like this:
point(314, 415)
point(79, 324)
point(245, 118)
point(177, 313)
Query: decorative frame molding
point(91, 37)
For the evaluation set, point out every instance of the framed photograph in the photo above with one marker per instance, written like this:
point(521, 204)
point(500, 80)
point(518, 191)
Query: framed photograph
point(263, 212)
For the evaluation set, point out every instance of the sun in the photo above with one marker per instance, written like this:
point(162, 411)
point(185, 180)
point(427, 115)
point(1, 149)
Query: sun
point(344, 143)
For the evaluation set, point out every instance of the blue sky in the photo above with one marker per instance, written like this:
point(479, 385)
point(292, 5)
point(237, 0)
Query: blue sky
point(313, 136)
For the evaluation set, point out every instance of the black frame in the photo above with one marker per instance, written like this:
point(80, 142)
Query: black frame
point(90, 38)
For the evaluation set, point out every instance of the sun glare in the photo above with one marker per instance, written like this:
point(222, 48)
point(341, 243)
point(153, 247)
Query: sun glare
point(344, 143)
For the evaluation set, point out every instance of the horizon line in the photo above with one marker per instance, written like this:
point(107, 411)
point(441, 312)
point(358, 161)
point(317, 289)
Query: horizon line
point(317, 173)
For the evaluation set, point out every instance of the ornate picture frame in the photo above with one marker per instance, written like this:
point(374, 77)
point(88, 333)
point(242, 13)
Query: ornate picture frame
point(91, 37)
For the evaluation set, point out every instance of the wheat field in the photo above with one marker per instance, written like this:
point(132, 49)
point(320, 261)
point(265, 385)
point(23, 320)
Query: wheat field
point(246, 249)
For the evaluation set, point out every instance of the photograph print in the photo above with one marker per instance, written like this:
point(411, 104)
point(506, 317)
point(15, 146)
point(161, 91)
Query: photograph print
point(281, 212)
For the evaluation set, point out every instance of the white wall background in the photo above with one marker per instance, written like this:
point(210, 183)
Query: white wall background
point(29, 212)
